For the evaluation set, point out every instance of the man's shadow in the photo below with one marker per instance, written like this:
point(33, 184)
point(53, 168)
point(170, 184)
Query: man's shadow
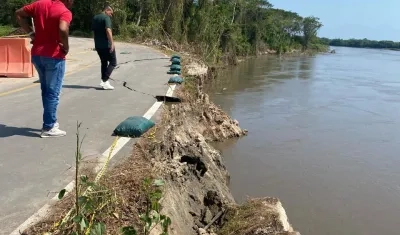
point(8, 131)
point(77, 86)
point(82, 87)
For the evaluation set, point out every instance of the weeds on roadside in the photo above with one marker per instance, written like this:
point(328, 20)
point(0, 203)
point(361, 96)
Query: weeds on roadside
point(94, 202)
point(191, 85)
point(152, 216)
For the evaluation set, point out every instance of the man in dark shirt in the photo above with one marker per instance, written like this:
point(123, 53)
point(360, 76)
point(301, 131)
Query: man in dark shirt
point(104, 45)
point(50, 46)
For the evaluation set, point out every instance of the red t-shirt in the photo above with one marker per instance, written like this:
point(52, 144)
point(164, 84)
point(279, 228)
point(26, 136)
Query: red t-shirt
point(47, 15)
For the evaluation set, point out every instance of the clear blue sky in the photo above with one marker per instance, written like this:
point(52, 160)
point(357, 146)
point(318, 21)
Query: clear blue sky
point(375, 20)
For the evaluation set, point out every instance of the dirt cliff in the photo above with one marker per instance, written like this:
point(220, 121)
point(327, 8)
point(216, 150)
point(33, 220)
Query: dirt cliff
point(197, 196)
point(196, 193)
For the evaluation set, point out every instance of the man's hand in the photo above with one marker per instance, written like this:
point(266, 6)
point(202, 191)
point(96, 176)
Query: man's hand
point(32, 36)
point(110, 38)
point(64, 32)
point(112, 48)
point(64, 48)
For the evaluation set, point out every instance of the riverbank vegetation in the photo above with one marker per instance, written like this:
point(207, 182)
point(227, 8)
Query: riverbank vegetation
point(219, 30)
point(5, 30)
point(361, 43)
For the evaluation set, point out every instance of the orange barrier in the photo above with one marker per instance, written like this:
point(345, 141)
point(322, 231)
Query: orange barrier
point(15, 58)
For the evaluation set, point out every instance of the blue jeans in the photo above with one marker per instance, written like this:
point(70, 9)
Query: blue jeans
point(51, 75)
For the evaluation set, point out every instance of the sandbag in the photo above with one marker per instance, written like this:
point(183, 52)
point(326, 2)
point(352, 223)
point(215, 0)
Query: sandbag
point(175, 61)
point(175, 57)
point(134, 126)
point(175, 79)
point(174, 72)
point(175, 67)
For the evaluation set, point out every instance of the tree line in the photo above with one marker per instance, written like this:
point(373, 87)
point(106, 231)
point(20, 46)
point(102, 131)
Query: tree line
point(361, 43)
point(216, 29)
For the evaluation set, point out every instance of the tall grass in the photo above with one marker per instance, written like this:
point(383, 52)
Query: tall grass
point(94, 202)
point(5, 30)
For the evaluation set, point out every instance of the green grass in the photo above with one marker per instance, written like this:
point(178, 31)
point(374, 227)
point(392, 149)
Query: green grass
point(5, 29)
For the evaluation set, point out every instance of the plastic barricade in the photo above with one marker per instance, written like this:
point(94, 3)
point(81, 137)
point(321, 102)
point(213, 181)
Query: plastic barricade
point(15, 58)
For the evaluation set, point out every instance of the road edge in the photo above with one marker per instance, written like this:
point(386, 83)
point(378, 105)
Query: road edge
point(122, 141)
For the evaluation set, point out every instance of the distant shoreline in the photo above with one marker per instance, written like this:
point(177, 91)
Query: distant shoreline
point(362, 43)
point(392, 49)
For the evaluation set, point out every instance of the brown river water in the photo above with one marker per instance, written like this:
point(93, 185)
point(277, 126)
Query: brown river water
point(324, 137)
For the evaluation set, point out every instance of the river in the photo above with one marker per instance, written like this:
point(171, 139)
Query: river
point(324, 137)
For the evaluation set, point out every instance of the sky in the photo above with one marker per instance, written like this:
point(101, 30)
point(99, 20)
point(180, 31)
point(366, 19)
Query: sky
point(375, 20)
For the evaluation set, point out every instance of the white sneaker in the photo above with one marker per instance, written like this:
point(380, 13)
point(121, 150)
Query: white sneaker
point(107, 86)
point(56, 125)
point(54, 132)
point(101, 83)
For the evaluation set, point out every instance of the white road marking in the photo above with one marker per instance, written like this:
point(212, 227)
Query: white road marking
point(152, 110)
point(122, 141)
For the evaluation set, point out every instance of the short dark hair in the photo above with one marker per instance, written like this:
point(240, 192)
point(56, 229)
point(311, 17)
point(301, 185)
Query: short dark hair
point(107, 7)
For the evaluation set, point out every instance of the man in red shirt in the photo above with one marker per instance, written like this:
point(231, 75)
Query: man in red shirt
point(51, 20)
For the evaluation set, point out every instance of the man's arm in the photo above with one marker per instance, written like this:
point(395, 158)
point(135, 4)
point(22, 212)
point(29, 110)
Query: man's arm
point(65, 21)
point(109, 33)
point(93, 28)
point(22, 16)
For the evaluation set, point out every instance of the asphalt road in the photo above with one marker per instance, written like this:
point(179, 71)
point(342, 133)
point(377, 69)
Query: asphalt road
point(33, 169)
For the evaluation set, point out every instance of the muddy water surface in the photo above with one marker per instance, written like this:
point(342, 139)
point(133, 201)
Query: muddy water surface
point(324, 137)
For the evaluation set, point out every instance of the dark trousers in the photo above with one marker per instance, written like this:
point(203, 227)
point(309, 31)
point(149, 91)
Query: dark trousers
point(108, 62)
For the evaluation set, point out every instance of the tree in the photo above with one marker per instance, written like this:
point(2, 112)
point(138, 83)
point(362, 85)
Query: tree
point(8, 8)
point(219, 30)
point(311, 25)
point(362, 43)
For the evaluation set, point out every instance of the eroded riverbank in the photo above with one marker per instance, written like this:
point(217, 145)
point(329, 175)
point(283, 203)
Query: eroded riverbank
point(196, 195)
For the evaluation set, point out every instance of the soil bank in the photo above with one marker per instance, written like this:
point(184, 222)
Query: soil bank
point(197, 189)
point(196, 195)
